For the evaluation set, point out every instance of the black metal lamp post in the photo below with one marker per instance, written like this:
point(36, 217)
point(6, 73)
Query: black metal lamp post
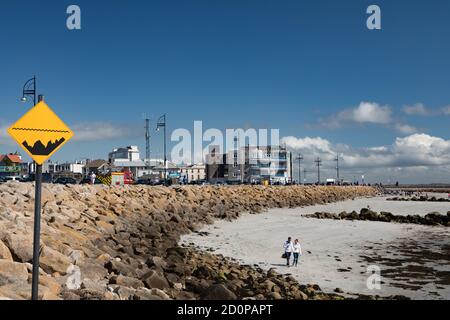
point(161, 123)
point(29, 90)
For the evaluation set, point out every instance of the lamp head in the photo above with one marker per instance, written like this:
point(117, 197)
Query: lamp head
point(23, 99)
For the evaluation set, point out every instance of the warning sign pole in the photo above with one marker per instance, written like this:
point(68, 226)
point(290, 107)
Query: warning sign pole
point(37, 227)
point(40, 132)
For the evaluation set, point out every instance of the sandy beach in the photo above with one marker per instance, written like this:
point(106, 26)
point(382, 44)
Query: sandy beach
point(414, 260)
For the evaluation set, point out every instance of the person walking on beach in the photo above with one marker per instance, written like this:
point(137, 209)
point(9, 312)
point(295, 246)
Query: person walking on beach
point(297, 251)
point(288, 248)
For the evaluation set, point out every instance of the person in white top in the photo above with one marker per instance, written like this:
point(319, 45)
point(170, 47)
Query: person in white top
point(297, 250)
point(288, 248)
point(92, 177)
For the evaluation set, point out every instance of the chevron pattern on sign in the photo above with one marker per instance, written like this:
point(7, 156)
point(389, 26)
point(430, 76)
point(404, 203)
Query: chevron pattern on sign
point(105, 179)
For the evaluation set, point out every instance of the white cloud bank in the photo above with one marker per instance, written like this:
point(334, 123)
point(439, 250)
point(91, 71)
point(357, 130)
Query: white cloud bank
point(424, 157)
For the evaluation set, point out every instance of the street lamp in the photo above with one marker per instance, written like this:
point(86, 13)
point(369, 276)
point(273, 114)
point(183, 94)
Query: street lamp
point(29, 90)
point(161, 123)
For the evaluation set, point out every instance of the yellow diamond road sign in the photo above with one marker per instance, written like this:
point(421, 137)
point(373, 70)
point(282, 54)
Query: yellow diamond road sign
point(40, 132)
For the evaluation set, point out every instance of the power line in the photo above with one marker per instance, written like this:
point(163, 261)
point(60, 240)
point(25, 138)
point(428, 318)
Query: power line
point(318, 162)
point(337, 168)
point(147, 141)
point(299, 158)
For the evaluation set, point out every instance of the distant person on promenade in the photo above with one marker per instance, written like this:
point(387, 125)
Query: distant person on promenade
point(297, 250)
point(92, 177)
point(288, 248)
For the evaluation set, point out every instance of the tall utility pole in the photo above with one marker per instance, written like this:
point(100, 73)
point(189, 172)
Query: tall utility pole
point(147, 141)
point(318, 162)
point(337, 168)
point(161, 123)
point(299, 158)
point(304, 174)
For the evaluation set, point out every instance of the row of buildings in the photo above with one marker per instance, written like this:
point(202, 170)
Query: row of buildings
point(249, 164)
point(244, 165)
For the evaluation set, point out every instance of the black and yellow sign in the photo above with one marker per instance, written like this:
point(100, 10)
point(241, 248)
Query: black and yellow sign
point(40, 132)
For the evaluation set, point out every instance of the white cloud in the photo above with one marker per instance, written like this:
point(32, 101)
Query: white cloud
point(5, 138)
point(378, 149)
point(425, 144)
point(420, 110)
point(319, 144)
point(96, 131)
point(373, 113)
point(369, 112)
point(446, 110)
point(423, 157)
point(417, 109)
point(365, 112)
point(405, 128)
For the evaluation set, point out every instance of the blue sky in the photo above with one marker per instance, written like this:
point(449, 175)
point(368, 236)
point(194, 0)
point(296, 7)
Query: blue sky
point(293, 65)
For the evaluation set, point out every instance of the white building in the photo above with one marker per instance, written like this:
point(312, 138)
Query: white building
point(196, 172)
point(128, 159)
point(271, 163)
point(70, 167)
point(51, 167)
point(130, 153)
point(260, 164)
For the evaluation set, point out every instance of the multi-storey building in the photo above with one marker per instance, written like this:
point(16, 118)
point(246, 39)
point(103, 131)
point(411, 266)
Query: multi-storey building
point(192, 173)
point(271, 164)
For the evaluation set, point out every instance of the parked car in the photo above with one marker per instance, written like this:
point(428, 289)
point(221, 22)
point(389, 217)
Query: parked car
point(11, 178)
point(65, 180)
point(147, 182)
point(46, 178)
point(27, 178)
point(197, 182)
point(163, 182)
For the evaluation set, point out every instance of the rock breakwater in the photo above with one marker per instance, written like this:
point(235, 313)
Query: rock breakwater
point(431, 219)
point(421, 198)
point(122, 243)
